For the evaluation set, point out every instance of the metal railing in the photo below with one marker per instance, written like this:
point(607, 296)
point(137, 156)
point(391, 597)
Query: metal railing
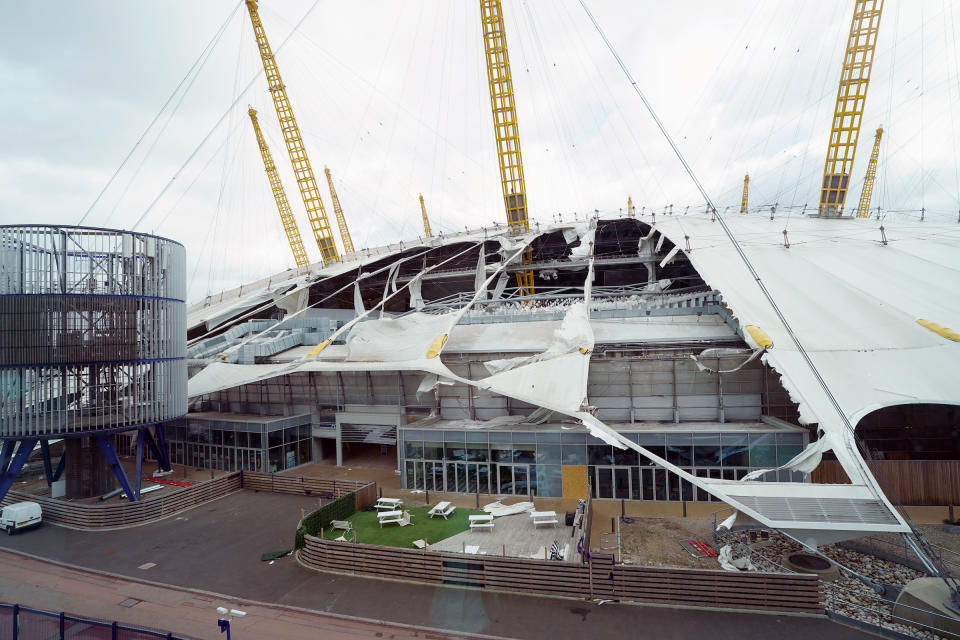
point(18, 622)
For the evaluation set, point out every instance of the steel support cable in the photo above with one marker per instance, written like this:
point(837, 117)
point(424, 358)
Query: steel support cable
point(205, 57)
point(220, 121)
point(213, 43)
point(740, 252)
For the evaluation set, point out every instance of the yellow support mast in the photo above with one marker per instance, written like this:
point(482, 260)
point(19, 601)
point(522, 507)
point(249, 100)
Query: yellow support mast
point(505, 129)
point(746, 193)
point(629, 206)
point(426, 220)
point(306, 181)
point(863, 211)
point(851, 96)
point(338, 212)
point(283, 205)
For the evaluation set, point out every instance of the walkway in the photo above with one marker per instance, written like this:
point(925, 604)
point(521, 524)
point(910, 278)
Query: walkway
point(216, 548)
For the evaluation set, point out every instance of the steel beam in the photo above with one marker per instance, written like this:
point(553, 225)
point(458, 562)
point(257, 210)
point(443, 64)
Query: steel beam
point(106, 448)
point(164, 458)
point(9, 471)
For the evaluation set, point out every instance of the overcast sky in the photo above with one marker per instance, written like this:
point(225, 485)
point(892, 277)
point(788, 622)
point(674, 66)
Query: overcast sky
point(392, 96)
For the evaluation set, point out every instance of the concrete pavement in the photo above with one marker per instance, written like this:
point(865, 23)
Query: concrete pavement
point(216, 548)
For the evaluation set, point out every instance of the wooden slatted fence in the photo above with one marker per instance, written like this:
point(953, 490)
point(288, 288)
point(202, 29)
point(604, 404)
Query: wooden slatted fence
point(794, 593)
point(125, 514)
point(912, 482)
point(366, 492)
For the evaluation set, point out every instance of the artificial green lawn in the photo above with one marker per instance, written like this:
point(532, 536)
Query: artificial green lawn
point(393, 535)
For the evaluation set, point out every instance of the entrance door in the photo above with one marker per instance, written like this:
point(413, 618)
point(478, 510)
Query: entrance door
point(414, 476)
point(433, 476)
point(621, 483)
point(604, 482)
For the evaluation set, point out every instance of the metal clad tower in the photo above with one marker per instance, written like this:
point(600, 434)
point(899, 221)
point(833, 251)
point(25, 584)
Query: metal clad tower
point(92, 342)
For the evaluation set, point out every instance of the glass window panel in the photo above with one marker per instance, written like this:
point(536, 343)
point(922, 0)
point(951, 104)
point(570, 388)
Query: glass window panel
point(625, 457)
point(501, 452)
point(433, 451)
point(455, 451)
point(680, 455)
point(549, 481)
point(521, 480)
point(647, 475)
point(702, 495)
point(524, 452)
point(574, 454)
point(686, 488)
point(621, 483)
point(549, 454)
point(763, 450)
point(274, 439)
point(412, 434)
point(303, 452)
point(599, 454)
point(478, 436)
point(604, 483)
point(410, 477)
point(275, 459)
point(594, 440)
point(501, 436)
point(706, 449)
point(662, 481)
point(477, 452)
point(679, 438)
point(217, 436)
point(790, 438)
point(255, 441)
point(229, 439)
point(471, 478)
point(635, 485)
point(451, 477)
point(650, 439)
point(786, 452)
point(548, 436)
point(673, 489)
point(290, 435)
point(505, 477)
point(413, 450)
point(453, 436)
point(573, 438)
point(735, 451)
point(655, 450)
point(483, 478)
point(524, 436)
point(242, 439)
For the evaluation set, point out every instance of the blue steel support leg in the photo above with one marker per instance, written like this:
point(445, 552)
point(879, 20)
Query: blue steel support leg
point(6, 450)
point(106, 448)
point(8, 473)
point(139, 480)
point(47, 467)
point(152, 445)
point(60, 467)
point(164, 457)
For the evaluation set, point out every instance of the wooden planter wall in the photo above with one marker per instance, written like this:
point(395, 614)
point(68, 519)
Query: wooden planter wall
point(794, 593)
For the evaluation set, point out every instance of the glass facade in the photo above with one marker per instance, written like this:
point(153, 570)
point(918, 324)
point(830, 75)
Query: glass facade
point(225, 445)
point(530, 463)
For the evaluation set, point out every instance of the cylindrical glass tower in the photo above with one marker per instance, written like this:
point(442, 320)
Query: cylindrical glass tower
point(92, 331)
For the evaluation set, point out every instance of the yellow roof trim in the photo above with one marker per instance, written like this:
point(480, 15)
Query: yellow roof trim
point(320, 347)
point(939, 329)
point(437, 345)
point(759, 336)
